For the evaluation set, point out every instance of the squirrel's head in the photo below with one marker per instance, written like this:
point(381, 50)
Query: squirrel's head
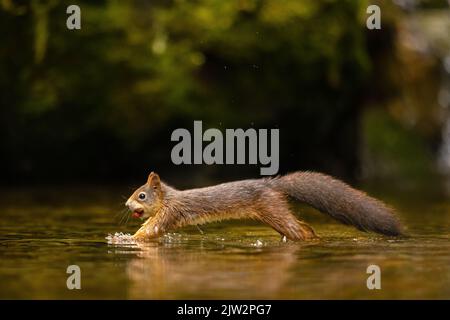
point(147, 199)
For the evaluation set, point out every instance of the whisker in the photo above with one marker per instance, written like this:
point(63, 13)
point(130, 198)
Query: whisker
point(128, 216)
point(126, 213)
point(123, 220)
point(123, 216)
point(120, 212)
point(201, 231)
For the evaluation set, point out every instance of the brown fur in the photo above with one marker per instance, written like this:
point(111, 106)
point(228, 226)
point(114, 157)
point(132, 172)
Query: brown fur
point(261, 199)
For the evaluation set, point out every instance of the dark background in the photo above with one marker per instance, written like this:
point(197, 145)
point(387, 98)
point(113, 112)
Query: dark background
point(98, 105)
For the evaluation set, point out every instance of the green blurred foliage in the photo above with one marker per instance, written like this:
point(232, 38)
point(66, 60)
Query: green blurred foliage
point(102, 101)
point(393, 151)
point(138, 69)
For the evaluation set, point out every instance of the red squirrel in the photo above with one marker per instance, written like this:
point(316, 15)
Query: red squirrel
point(266, 199)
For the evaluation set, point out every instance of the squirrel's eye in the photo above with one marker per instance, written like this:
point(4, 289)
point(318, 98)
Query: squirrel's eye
point(142, 196)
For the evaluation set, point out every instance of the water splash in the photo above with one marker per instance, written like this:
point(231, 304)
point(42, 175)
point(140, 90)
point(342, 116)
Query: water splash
point(120, 238)
point(258, 243)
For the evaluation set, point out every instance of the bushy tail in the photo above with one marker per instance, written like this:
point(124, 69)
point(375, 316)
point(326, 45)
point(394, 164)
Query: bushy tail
point(340, 201)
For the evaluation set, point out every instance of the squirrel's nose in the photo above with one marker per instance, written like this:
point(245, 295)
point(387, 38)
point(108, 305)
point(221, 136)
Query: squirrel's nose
point(128, 203)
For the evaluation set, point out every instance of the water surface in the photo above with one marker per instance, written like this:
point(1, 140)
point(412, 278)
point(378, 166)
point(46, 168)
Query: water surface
point(43, 231)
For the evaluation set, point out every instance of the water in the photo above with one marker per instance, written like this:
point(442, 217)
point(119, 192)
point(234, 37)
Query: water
point(42, 232)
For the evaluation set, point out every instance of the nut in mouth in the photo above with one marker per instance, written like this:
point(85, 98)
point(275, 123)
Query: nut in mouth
point(138, 213)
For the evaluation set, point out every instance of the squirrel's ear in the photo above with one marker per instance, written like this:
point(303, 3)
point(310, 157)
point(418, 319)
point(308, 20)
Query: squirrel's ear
point(153, 181)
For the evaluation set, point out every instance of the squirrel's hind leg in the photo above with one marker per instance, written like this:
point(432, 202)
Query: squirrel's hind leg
point(284, 222)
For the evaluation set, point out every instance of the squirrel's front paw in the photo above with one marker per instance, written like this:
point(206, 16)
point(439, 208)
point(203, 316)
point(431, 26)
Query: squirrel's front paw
point(147, 232)
point(138, 236)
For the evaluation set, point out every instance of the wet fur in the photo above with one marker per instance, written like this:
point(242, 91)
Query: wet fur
point(264, 200)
